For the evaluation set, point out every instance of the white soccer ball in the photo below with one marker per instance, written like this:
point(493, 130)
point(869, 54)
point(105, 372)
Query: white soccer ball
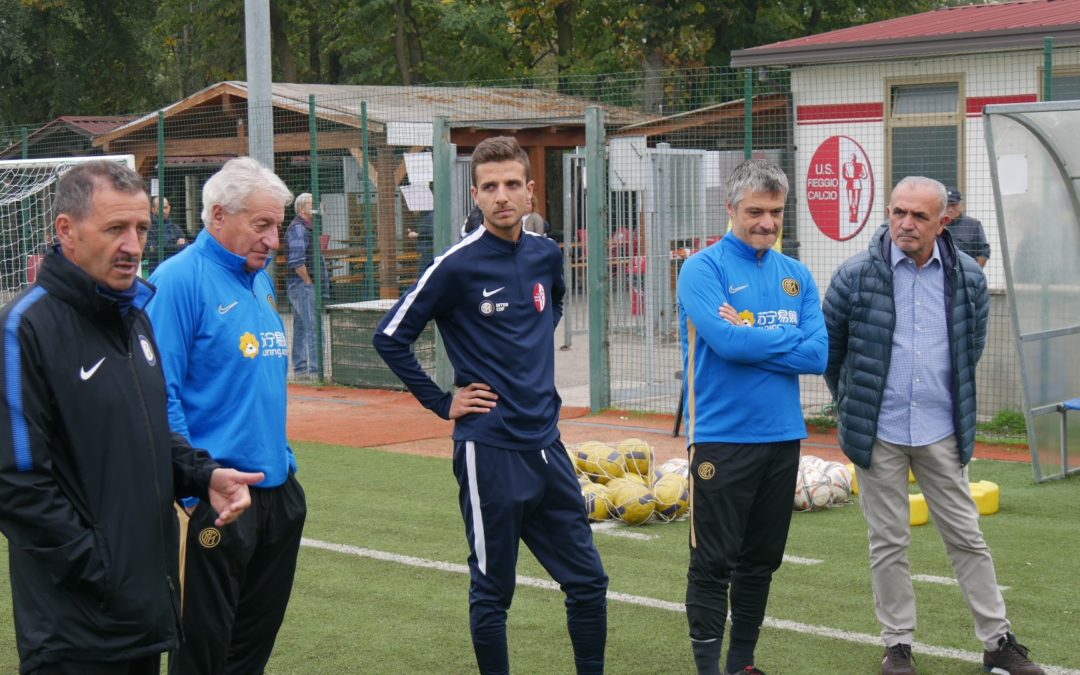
point(820, 493)
point(841, 481)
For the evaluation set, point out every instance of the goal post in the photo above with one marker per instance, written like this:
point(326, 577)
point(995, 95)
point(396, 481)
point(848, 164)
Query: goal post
point(27, 217)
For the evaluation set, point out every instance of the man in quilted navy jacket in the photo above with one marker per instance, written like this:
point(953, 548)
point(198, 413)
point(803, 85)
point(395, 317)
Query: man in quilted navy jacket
point(907, 325)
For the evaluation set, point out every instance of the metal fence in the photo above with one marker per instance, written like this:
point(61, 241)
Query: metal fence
point(844, 133)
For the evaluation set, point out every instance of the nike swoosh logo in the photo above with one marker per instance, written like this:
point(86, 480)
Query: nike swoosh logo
point(736, 289)
point(87, 374)
point(222, 309)
point(488, 294)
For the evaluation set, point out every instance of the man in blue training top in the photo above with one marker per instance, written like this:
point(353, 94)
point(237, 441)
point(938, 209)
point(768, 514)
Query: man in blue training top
point(496, 297)
point(226, 361)
point(751, 323)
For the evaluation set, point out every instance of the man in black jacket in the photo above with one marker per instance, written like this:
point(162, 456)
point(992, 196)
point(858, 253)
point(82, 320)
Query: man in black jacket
point(89, 467)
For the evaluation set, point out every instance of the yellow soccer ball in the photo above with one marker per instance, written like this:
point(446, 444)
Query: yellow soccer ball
point(672, 497)
point(638, 455)
point(611, 464)
point(632, 503)
point(587, 458)
point(632, 477)
point(596, 501)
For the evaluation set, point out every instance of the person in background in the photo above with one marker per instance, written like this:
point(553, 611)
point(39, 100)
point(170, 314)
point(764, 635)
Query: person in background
point(226, 363)
point(907, 324)
point(533, 221)
point(748, 315)
point(497, 297)
point(89, 468)
point(300, 286)
point(967, 233)
point(173, 236)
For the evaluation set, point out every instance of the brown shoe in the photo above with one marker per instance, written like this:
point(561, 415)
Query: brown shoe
point(1010, 658)
point(898, 661)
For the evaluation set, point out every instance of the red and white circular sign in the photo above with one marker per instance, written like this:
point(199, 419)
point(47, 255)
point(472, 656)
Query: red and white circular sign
point(840, 188)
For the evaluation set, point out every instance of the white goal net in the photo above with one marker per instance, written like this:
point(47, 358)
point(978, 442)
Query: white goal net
point(27, 191)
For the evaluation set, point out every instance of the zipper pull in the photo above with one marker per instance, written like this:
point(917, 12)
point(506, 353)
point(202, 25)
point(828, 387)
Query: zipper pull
point(543, 455)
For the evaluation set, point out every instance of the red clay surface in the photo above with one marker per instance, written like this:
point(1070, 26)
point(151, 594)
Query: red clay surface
point(394, 421)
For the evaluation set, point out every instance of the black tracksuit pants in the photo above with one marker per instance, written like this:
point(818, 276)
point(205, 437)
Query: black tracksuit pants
point(740, 505)
point(237, 583)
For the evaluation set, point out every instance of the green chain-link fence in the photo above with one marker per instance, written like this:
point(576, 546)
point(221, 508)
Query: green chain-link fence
point(662, 144)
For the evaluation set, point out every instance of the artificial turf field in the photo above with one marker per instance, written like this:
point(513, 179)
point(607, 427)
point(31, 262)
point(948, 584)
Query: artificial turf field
point(382, 586)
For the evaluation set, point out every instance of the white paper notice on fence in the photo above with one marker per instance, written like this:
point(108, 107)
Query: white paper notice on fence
point(1013, 174)
point(418, 197)
point(628, 163)
point(419, 167)
point(410, 133)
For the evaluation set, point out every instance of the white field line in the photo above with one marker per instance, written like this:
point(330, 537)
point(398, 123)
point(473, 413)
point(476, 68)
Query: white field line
point(794, 559)
point(944, 581)
point(793, 626)
point(613, 529)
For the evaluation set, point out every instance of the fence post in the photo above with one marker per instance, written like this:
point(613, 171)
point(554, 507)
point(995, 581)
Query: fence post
point(369, 226)
point(748, 113)
point(596, 227)
point(25, 133)
point(316, 239)
point(443, 160)
point(1048, 69)
point(159, 252)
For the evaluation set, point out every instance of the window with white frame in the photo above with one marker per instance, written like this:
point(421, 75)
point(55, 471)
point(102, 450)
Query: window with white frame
point(924, 130)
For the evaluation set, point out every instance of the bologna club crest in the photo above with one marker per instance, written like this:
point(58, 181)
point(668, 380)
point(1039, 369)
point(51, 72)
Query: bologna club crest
point(840, 188)
point(539, 297)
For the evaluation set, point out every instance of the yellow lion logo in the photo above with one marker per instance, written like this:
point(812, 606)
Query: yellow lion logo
point(249, 346)
point(747, 317)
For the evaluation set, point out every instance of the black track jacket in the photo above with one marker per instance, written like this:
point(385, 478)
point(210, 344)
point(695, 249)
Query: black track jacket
point(88, 473)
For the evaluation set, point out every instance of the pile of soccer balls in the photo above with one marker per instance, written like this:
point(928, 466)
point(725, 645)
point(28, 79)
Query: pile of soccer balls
point(621, 481)
point(821, 484)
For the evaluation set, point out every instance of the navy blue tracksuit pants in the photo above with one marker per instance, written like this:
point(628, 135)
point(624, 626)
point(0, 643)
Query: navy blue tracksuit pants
point(509, 496)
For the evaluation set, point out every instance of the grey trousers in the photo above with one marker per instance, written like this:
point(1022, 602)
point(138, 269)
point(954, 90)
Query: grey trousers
point(883, 494)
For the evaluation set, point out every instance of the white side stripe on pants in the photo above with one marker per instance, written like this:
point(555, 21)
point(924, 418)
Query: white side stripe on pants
point(479, 543)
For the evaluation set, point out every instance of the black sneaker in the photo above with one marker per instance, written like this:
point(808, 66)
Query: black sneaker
point(1010, 658)
point(898, 661)
point(749, 670)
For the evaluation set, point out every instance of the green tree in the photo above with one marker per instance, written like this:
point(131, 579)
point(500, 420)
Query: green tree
point(73, 56)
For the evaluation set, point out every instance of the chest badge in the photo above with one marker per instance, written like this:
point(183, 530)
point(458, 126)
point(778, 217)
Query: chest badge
point(147, 350)
point(790, 286)
point(539, 297)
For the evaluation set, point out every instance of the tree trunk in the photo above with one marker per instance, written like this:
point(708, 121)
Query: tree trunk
point(564, 36)
point(654, 80)
point(280, 46)
point(399, 44)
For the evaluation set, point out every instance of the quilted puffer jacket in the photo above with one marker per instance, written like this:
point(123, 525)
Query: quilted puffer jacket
point(860, 317)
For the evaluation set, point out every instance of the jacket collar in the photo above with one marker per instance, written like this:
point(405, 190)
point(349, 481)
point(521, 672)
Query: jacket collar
point(502, 245)
point(207, 245)
point(740, 248)
point(70, 283)
point(881, 247)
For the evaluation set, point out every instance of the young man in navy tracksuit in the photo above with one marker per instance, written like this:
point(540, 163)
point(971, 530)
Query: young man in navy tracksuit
point(496, 297)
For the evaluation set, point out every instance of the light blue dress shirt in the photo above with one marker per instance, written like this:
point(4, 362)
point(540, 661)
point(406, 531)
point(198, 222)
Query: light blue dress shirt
point(917, 406)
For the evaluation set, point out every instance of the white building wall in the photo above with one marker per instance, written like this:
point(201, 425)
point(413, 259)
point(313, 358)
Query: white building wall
point(849, 100)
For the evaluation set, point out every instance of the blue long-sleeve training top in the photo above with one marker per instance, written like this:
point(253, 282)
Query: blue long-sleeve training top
point(496, 304)
point(225, 356)
point(742, 382)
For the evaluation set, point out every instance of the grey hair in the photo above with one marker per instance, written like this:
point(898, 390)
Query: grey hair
point(75, 189)
point(756, 176)
point(303, 202)
point(916, 182)
point(233, 185)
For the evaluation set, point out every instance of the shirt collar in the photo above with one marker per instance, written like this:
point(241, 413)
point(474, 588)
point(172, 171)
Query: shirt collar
point(898, 255)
